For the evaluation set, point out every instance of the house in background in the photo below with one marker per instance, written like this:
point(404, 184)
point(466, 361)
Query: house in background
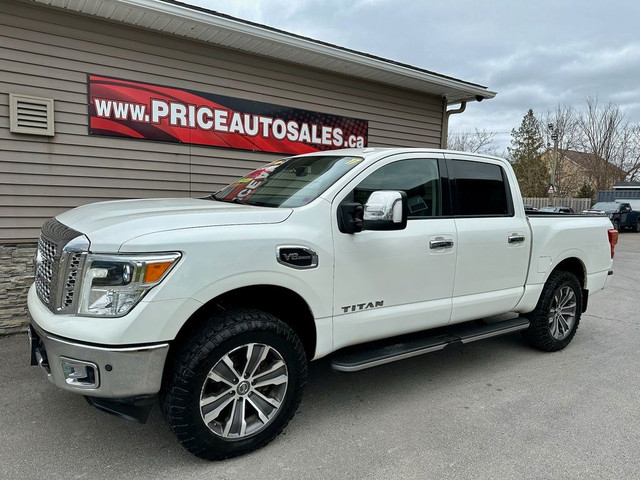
point(575, 169)
point(627, 186)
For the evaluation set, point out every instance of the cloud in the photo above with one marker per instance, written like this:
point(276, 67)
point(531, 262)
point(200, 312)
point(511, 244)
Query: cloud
point(534, 54)
point(542, 77)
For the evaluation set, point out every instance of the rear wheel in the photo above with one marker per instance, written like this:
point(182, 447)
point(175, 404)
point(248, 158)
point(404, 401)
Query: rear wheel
point(555, 320)
point(235, 385)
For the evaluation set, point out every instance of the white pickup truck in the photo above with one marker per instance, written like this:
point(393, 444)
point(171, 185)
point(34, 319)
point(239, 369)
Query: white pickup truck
point(371, 255)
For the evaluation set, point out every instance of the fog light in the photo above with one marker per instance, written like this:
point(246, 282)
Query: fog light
point(79, 374)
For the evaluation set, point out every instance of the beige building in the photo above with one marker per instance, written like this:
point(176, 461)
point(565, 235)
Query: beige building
point(62, 145)
point(575, 169)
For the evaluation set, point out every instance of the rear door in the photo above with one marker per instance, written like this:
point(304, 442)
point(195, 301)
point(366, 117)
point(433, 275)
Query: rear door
point(494, 239)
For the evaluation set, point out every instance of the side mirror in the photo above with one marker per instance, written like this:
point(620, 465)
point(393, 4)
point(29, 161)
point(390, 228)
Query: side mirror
point(386, 210)
point(350, 217)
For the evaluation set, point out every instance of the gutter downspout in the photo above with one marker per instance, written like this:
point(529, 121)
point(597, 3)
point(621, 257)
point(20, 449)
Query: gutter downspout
point(445, 120)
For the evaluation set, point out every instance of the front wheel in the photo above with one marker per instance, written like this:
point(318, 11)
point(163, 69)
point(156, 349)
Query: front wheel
point(616, 225)
point(235, 385)
point(555, 320)
point(638, 226)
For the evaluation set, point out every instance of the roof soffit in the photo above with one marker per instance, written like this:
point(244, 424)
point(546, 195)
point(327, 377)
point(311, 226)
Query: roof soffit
point(175, 18)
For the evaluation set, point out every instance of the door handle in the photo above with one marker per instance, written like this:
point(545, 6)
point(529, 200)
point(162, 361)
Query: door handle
point(516, 238)
point(440, 243)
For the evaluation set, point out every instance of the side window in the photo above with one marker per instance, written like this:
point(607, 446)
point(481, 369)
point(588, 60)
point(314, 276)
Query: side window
point(418, 178)
point(481, 189)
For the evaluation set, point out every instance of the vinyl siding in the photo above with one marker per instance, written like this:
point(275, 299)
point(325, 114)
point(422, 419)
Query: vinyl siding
point(47, 53)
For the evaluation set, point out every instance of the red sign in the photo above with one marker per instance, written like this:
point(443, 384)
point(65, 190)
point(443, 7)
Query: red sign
point(123, 108)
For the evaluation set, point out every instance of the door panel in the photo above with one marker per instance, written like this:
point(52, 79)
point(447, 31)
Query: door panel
point(489, 267)
point(393, 282)
point(493, 243)
point(408, 284)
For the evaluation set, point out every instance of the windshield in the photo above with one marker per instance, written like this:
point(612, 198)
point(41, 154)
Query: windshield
point(291, 182)
point(548, 209)
point(605, 206)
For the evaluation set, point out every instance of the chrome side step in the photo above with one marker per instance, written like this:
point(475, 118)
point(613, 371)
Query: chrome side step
point(370, 355)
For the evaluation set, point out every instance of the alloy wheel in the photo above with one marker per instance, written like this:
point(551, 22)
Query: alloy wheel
point(244, 391)
point(562, 314)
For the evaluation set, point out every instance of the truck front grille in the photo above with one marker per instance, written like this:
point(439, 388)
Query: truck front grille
point(74, 266)
point(58, 266)
point(45, 265)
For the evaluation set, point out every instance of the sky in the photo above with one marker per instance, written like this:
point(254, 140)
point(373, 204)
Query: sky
point(534, 54)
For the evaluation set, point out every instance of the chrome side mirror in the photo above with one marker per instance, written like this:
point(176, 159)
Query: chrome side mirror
point(385, 210)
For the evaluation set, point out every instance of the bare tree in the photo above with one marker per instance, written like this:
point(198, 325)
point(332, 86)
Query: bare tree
point(606, 135)
point(559, 130)
point(631, 152)
point(479, 141)
point(563, 119)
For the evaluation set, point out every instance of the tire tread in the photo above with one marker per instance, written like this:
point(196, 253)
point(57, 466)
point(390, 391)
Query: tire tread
point(538, 335)
point(176, 395)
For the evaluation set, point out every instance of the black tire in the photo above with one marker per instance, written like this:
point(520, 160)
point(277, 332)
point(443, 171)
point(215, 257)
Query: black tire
point(243, 415)
point(551, 330)
point(616, 225)
point(637, 229)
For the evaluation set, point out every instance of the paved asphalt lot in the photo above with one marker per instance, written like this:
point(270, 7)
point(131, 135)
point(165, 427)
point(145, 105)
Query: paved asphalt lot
point(494, 409)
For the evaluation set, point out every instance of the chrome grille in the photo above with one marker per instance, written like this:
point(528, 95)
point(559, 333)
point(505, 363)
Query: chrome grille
point(59, 260)
point(45, 266)
point(74, 266)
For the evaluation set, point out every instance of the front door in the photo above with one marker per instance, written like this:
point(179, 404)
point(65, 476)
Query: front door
point(393, 282)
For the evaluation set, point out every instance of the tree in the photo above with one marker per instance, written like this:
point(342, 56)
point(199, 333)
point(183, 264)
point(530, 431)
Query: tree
point(586, 191)
point(561, 123)
point(479, 141)
point(632, 166)
point(527, 147)
point(613, 143)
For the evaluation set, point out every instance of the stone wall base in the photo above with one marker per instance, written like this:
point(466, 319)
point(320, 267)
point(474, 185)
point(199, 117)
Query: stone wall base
point(16, 276)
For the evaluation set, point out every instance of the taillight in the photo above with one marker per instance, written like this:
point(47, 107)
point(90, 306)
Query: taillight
point(613, 239)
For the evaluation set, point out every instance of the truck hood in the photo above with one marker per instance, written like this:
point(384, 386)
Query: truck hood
point(110, 224)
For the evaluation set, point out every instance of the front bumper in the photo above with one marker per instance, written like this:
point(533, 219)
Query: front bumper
point(98, 371)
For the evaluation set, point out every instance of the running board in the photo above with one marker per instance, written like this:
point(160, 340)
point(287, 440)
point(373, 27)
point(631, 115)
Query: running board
point(369, 355)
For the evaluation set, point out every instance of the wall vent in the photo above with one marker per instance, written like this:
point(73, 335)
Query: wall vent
point(31, 115)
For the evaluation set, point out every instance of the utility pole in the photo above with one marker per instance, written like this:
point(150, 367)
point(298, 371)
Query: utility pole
point(553, 189)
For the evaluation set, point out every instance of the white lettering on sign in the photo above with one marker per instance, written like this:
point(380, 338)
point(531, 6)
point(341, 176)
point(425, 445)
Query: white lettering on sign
point(159, 110)
point(177, 114)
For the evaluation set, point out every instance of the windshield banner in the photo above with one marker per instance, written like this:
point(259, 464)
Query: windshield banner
point(122, 108)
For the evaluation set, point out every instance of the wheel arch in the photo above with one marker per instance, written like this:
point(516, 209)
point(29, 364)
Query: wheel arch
point(572, 265)
point(283, 303)
point(575, 266)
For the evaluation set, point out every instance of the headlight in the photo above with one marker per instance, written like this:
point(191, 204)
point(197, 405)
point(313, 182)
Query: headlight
point(113, 284)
